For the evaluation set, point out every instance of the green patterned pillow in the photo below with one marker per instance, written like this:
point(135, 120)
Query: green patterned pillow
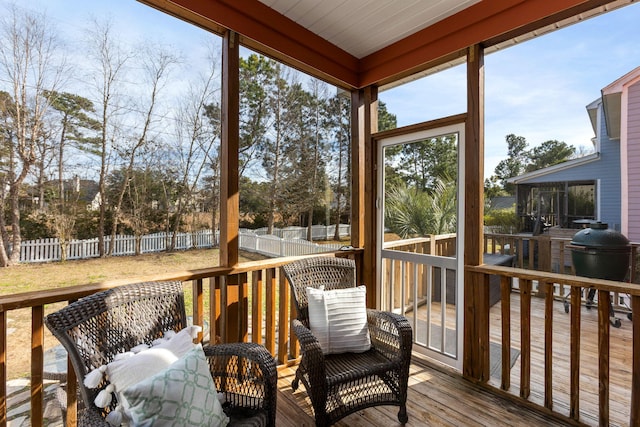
point(181, 395)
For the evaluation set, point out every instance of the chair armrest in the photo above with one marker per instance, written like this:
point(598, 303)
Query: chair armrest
point(312, 362)
point(391, 334)
point(246, 373)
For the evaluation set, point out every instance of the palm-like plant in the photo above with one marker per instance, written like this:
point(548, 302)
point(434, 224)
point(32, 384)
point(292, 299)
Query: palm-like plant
point(410, 212)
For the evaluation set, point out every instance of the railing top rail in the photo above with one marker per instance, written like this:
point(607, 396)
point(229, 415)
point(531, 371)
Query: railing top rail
point(565, 279)
point(415, 240)
point(38, 298)
point(531, 237)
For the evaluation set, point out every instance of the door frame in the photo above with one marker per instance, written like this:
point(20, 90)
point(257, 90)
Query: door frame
point(414, 133)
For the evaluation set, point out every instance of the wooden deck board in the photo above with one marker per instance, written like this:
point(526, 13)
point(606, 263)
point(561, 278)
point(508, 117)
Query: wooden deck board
point(439, 396)
point(436, 398)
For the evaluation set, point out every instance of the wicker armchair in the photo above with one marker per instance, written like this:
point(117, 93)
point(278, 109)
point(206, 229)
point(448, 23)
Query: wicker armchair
point(341, 384)
point(96, 328)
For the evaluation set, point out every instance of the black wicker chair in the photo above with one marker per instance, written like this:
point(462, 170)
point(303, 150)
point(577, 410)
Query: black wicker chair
point(341, 384)
point(96, 328)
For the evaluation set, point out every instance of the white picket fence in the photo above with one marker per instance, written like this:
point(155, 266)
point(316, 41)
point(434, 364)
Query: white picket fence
point(45, 250)
point(318, 232)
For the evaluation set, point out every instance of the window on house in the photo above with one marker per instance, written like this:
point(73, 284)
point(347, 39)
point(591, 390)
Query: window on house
point(580, 202)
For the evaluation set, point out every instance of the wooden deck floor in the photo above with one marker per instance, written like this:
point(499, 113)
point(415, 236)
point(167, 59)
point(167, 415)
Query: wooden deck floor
point(436, 398)
point(441, 397)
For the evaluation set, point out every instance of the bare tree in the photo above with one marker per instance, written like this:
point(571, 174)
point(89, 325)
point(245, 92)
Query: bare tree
point(110, 58)
point(31, 63)
point(156, 64)
point(212, 182)
point(317, 145)
point(195, 139)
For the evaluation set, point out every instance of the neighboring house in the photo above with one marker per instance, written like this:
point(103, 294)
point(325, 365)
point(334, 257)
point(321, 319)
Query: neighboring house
point(622, 107)
point(502, 202)
point(590, 187)
point(76, 190)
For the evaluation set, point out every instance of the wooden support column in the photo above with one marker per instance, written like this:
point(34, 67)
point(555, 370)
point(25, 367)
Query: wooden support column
point(232, 289)
point(476, 320)
point(229, 180)
point(364, 122)
point(230, 323)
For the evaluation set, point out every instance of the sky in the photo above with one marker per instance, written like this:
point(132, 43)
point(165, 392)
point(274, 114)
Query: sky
point(538, 89)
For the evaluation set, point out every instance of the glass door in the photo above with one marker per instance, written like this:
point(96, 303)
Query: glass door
point(421, 257)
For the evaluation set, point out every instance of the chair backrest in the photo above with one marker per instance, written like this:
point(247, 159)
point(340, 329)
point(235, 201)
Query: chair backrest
point(96, 328)
point(333, 273)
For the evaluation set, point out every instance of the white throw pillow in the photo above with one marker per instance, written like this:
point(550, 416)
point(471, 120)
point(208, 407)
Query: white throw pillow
point(136, 365)
point(183, 394)
point(338, 319)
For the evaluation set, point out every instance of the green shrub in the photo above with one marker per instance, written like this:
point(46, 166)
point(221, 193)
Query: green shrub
point(502, 220)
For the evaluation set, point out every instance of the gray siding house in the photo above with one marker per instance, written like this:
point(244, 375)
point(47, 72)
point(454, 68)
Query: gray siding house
point(603, 186)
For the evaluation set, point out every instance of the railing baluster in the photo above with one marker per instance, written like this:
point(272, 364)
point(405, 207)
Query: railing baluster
point(283, 321)
point(294, 348)
point(224, 313)
point(548, 344)
point(521, 253)
point(392, 285)
point(242, 301)
point(214, 309)
point(3, 368)
point(525, 337)
point(72, 396)
point(532, 250)
point(415, 305)
point(37, 364)
point(270, 334)
point(604, 314)
point(403, 287)
point(505, 289)
point(634, 417)
point(574, 366)
point(256, 306)
point(198, 306)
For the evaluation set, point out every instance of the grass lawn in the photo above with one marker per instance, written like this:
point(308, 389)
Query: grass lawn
point(33, 277)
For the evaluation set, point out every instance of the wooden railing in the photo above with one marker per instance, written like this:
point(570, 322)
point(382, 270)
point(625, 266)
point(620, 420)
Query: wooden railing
point(249, 302)
point(442, 245)
point(411, 286)
point(546, 282)
point(541, 253)
point(264, 312)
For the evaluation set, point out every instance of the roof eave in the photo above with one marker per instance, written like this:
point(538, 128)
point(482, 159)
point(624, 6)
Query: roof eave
point(521, 179)
point(267, 31)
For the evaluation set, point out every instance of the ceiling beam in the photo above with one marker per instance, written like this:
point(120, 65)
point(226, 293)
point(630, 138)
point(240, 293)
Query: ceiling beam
point(450, 37)
point(266, 31)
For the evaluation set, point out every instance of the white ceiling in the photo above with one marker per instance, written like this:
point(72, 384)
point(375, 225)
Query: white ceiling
point(361, 27)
